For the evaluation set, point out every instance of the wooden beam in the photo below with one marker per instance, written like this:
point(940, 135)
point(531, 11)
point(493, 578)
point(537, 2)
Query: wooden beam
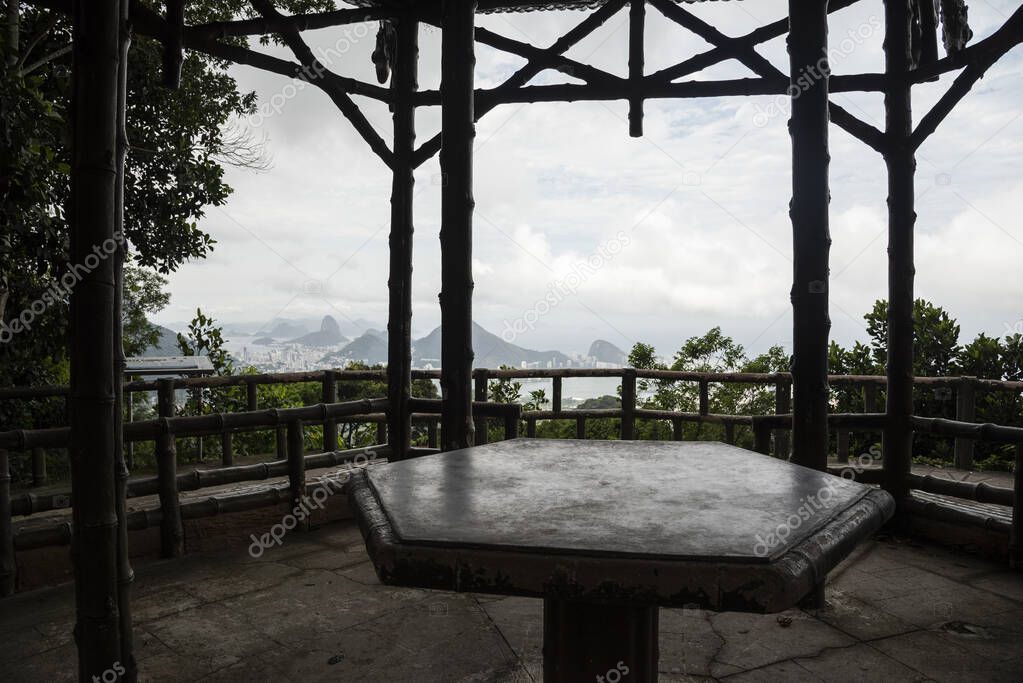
point(637, 29)
point(458, 61)
point(994, 48)
point(547, 58)
point(173, 45)
point(811, 239)
point(859, 129)
point(998, 43)
point(299, 22)
point(522, 76)
point(404, 82)
point(329, 82)
point(94, 104)
point(901, 166)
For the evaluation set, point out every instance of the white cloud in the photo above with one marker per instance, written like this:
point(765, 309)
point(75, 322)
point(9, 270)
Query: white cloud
point(704, 196)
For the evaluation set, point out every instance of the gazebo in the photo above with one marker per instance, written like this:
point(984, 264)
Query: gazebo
point(102, 31)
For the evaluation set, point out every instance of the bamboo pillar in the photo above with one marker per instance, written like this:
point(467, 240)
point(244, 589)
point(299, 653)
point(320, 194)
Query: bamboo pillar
point(811, 240)
point(94, 104)
point(125, 573)
point(8, 566)
point(580, 427)
point(901, 165)
point(172, 535)
point(458, 61)
point(637, 23)
point(404, 82)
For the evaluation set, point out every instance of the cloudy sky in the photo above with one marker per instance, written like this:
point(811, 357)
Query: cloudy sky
point(701, 200)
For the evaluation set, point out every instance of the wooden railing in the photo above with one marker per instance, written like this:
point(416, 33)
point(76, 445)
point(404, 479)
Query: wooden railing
point(770, 434)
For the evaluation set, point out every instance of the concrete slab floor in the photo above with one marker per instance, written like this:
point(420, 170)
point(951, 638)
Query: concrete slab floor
point(312, 609)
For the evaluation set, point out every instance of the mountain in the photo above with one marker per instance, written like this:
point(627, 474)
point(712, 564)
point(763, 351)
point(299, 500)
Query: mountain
point(491, 351)
point(166, 346)
point(606, 352)
point(370, 348)
point(329, 334)
point(285, 329)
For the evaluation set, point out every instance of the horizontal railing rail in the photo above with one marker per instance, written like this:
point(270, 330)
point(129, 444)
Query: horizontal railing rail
point(770, 432)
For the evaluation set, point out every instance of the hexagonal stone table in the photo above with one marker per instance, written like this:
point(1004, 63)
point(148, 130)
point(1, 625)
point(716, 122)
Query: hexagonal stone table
point(605, 532)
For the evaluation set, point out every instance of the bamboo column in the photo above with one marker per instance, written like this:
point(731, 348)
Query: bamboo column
point(404, 82)
point(901, 165)
point(811, 240)
point(96, 47)
point(458, 61)
point(125, 573)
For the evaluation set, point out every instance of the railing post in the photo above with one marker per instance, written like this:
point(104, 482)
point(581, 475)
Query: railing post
point(556, 395)
point(628, 404)
point(842, 436)
point(281, 438)
point(782, 406)
point(531, 427)
point(966, 411)
point(761, 437)
point(172, 535)
point(511, 422)
point(381, 433)
point(431, 433)
point(730, 433)
point(39, 467)
point(329, 425)
point(227, 449)
point(251, 395)
point(704, 397)
point(677, 429)
point(296, 467)
point(8, 566)
point(870, 398)
point(1016, 537)
point(580, 427)
point(481, 395)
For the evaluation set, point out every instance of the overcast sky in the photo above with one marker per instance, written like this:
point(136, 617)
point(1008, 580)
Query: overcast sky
point(702, 199)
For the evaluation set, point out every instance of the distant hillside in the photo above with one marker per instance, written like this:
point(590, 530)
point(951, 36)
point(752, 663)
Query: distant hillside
point(491, 351)
point(370, 348)
point(329, 334)
point(166, 346)
point(606, 352)
point(284, 329)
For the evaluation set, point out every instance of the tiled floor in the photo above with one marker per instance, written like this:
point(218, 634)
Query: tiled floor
point(313, 609)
